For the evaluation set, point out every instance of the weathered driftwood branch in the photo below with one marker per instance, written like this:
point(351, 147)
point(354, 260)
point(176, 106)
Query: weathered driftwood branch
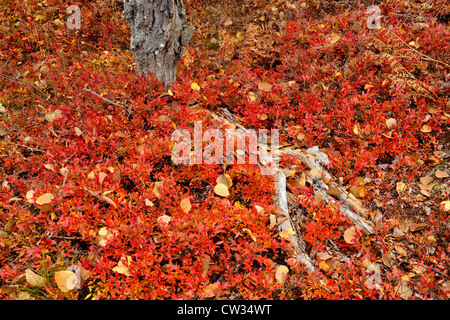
point(267, 163)
point(158, 36)
point(313, 158)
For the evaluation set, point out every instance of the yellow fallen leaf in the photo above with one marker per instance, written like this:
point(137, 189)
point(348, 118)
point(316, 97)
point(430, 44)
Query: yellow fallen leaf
point(390, 123)
point(29, 196)
point(259, 209)
point(225, 179)
point(158, 188)
point(164, 219)
point(185, 205)
point(49, 167)
point(426, 128)
point(249, 233)
point(65, 280)
point(291, 231)
point(316, 172)
point(33, 278)
point(403, 290)
point(122, 266)
point(426, 180)
point(323, 265)
point(354, 190)
point(101, 177)
point(356, 129)
point(63, 171)
point(209, 290)
point(264, 86)
point(221, 190)
point(445, 205)
point(285, 235)
point(103, 231)
point(350, 235)
point(148, 203)
point(195, 86)
point(91, 175)
point(281, 273)
point(263, 116)
point(273, 221)
point(441, 174)
point(78, 132)
point(400, 187)
point(323, 255)
point(104, 234)
point(334, 38)
point(45, 198)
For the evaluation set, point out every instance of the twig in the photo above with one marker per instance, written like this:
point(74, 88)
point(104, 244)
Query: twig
point(4, 76)
point(21, 145)
point(109, 101)
point(64, 182)
point(423, 54)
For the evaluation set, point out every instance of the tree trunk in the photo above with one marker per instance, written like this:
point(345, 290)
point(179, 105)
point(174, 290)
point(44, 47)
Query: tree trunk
point(158, 36)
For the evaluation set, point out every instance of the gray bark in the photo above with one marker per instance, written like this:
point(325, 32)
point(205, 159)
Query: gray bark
point(158, 36)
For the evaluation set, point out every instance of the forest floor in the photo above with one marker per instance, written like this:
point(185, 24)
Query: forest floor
point(92, 205)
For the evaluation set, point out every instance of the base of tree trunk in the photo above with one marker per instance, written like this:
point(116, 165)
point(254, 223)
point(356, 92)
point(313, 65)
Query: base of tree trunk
point(158, 36)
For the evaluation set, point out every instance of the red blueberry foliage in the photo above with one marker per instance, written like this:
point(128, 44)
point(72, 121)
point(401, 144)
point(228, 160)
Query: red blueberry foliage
point(78, 123)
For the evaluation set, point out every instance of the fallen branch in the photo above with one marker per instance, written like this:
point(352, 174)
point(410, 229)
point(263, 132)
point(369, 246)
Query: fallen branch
point(313, 158)
point(266, 162)
point(109, 101)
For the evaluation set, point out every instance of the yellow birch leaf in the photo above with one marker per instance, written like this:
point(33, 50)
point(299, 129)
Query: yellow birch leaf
point(45, 198)
point(324, 266)
point(78, 132)
point(390, 123)
point(334, 38)
point(209, 290)
point(249, 233)
point(122, 266)
point(356, 129)
point(164, 219)
point(445, 205)
point(49, 167)
point(426, 128)
point(33, 278)
point(264, 86)
point(400, 187)
point(65, 280)
point(281, 273)
point(101, 177)
point(221, 190)
point(285, 235)
point(148, 203)
point(441, 174)
point(225, 179)
point(350, 235)
point(185, 205)
point(195, 86)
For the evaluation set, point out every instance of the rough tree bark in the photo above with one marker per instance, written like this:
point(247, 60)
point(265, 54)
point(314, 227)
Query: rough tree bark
point(158, 36)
